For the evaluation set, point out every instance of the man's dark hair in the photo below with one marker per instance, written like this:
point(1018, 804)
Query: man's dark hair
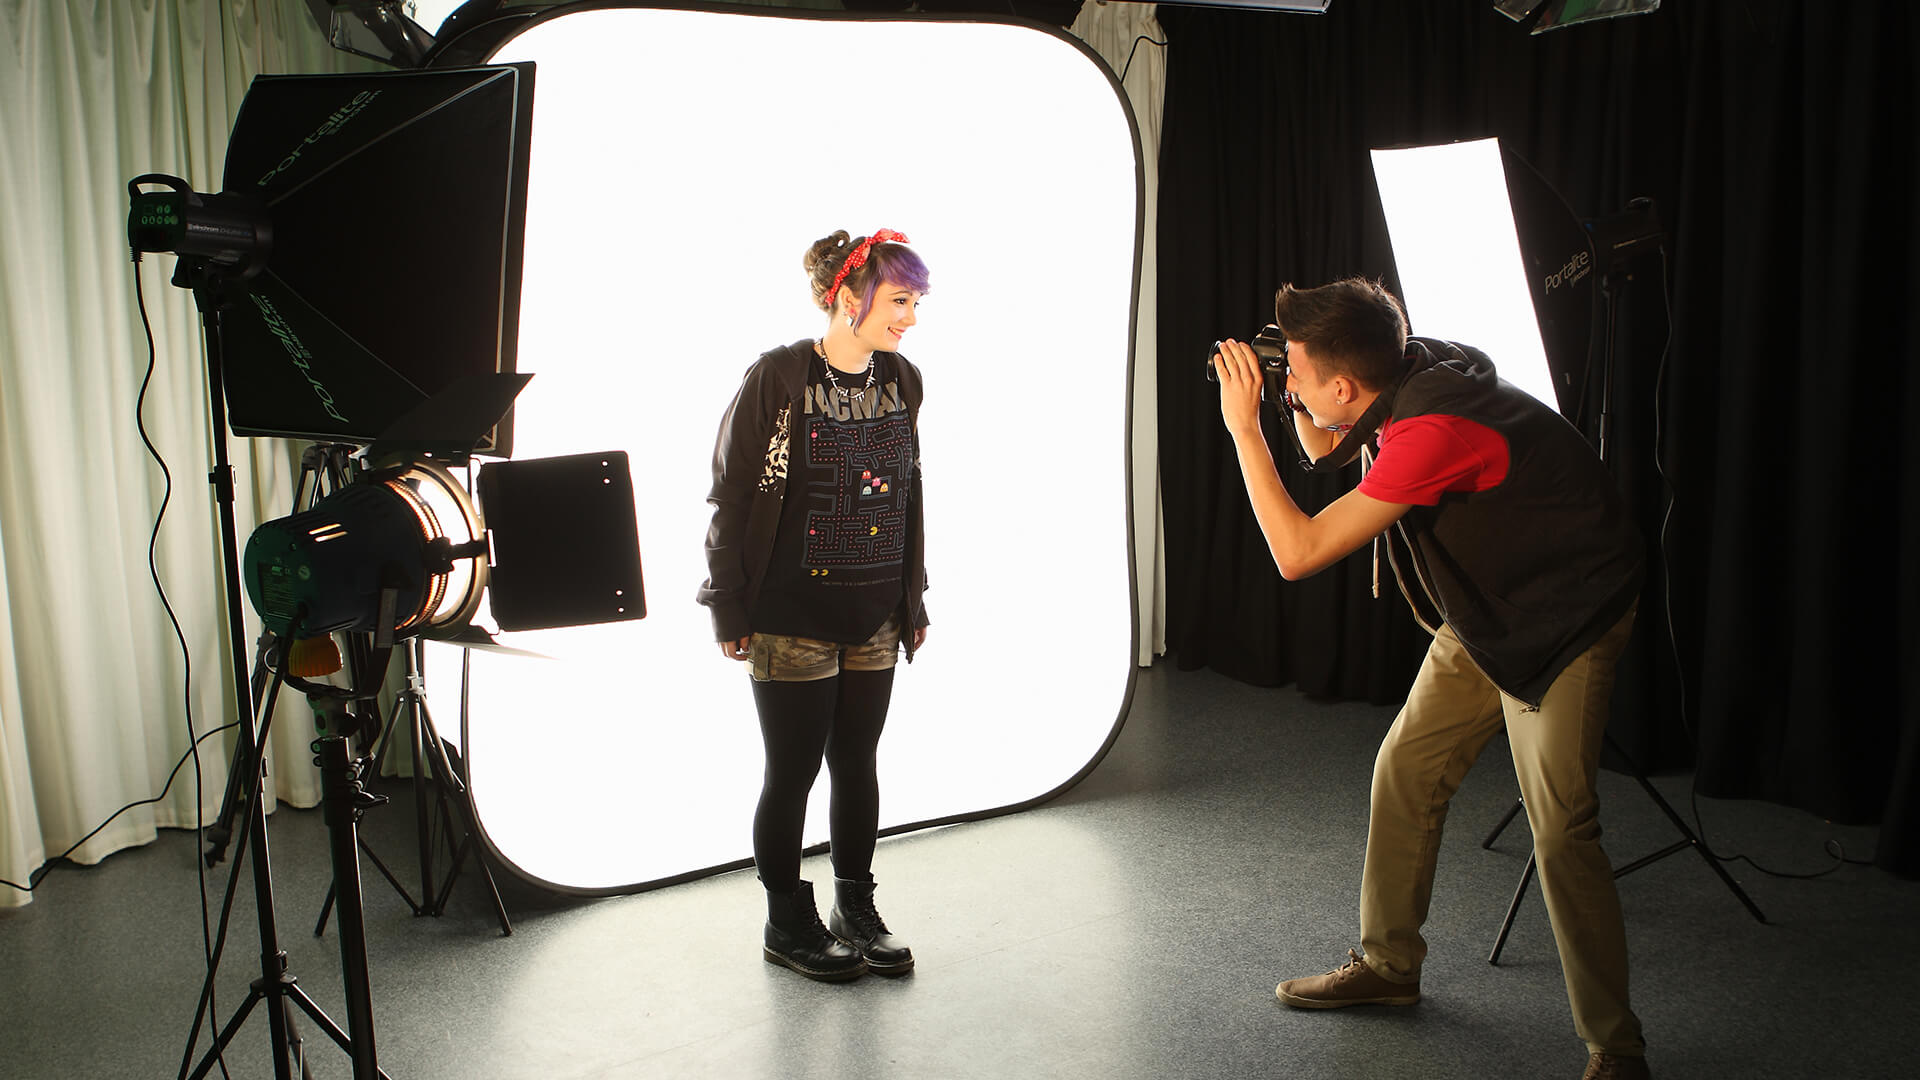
point(1354, 327)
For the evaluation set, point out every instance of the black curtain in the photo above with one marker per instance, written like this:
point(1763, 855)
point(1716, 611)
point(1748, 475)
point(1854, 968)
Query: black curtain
point(1762, 362)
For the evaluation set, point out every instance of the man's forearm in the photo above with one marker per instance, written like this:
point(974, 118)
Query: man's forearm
point(1281, 521)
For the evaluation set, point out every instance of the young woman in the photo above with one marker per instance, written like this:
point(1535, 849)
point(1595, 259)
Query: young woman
point(815, 579)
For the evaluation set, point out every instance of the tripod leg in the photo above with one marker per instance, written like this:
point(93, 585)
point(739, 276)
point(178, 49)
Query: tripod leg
point(220, 833)
point(1694, 842)
point(382, 740)
point(459, 851)
point(1691, 840)
point(273, 960)
point(468, 846)
point(326, 909)
point(1752, 908)
point(1512, 812)
point(225, 1037)
point(418, 909)
point(422, 815)
point(1648, 860)
point(296, 1043)
point(1513, 909)
point(327, 1027)
point(343, 800)
point(383, 743)
point(448, 776)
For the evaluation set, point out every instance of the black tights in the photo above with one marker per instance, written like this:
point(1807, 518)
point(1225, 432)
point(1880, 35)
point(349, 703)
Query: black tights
point(840, 718)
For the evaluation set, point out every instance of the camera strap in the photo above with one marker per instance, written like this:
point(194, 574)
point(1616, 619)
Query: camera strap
point(1419, 358)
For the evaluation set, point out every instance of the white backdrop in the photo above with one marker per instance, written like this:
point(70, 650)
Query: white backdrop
point(682, 163)
point(94, 691)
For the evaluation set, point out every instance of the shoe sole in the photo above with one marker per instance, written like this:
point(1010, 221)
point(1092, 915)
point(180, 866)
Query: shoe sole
point(813, 973)
point(1341, 1003)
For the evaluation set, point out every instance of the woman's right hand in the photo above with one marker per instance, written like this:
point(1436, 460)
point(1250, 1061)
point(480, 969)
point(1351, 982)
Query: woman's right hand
point(737, 650)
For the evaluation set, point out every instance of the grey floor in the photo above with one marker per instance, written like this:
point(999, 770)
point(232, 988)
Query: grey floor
point(1133, 928)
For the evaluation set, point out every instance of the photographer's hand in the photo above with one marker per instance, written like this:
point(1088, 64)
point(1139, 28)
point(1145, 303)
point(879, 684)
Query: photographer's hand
point(1240, 382)
point(1301, 545)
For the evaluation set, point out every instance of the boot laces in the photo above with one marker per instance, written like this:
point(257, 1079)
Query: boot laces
point(863, 914)
point(815, 924)
point(808, 915)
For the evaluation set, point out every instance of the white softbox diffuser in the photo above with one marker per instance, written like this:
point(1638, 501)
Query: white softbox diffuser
point(1458, 253)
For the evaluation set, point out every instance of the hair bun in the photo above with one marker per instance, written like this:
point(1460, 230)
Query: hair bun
point(823, 250)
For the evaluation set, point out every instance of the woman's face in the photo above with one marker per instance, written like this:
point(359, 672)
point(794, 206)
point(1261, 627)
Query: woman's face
point(894, 311)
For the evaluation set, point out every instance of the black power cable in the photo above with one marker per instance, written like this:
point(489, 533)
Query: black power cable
point(193, 740)
point(34, 879)
point(1128, 66)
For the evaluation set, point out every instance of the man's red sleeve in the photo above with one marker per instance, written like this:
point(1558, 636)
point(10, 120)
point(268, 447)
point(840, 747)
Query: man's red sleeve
point(1424, 457)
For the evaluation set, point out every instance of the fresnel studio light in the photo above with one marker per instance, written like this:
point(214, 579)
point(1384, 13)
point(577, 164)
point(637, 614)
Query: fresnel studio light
point(384, 330)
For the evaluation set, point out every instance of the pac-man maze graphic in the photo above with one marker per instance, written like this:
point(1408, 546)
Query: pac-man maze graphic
point(866, 526)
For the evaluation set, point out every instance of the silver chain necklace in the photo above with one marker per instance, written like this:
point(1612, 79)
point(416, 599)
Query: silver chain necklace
point(821, 348)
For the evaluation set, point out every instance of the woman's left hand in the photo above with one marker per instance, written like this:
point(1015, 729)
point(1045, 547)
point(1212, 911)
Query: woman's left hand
point(919, 638)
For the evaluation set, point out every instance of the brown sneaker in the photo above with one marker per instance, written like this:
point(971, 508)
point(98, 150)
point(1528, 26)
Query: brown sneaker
point(1352, 983)
point(1616, 1067)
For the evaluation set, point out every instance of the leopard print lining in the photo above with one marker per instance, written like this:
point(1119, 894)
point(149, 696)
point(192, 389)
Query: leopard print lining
point(775, 472)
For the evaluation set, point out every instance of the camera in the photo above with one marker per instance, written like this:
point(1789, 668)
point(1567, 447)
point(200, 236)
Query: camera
point(1270, 348)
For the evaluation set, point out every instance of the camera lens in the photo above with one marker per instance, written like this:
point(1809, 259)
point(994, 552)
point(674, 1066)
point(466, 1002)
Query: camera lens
point(1269, 348)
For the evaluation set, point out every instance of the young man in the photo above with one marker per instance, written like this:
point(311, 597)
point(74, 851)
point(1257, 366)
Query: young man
point(1513, 547)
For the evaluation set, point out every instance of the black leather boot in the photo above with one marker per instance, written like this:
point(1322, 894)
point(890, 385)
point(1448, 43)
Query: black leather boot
point(855, 922)
point(796, 938)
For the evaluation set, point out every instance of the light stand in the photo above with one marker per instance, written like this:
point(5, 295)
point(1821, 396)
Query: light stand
point(277, 987)
point(438, 788)
point(335, 348)
point(344, 799)
point(324, 463)
point(211, 296)
point(214, 292)
point(1617, 240)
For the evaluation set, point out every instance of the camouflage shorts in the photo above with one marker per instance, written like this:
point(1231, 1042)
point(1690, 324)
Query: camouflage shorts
point(779, 658)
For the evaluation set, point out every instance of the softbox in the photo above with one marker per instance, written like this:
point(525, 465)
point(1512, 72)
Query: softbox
point(397, 203)
point(1558, 254)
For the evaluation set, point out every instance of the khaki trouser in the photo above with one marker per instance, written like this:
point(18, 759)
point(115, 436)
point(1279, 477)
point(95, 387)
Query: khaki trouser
point(1451, 712)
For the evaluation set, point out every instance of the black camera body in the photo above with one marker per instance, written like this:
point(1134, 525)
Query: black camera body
point(1270, 348)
